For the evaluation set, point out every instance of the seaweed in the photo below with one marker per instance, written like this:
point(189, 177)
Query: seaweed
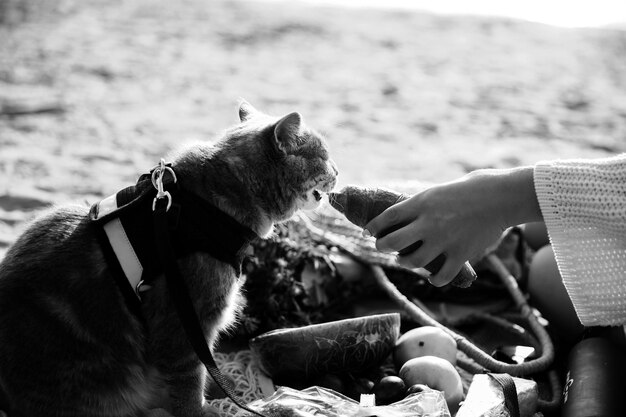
point(291, 281)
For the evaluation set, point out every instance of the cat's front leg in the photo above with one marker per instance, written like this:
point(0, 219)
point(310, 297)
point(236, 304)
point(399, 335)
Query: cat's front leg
point(187, 393)
point(210, 411)
point(157, 412)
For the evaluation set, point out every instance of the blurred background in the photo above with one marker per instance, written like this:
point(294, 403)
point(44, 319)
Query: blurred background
point(94, 92)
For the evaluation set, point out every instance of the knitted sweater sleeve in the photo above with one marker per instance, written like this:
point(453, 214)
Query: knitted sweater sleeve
point(583, 203)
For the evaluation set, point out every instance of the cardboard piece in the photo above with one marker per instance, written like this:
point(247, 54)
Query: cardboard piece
point(486, 399)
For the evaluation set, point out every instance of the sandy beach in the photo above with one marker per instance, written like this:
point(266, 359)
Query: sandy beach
point(93, 93)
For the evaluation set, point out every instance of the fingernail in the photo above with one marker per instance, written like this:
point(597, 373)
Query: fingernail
point(366, 233)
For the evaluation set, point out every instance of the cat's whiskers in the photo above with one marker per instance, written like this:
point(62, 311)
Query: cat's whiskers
point(332, 200)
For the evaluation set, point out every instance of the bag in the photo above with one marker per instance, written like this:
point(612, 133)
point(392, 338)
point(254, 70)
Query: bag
point(322, 402)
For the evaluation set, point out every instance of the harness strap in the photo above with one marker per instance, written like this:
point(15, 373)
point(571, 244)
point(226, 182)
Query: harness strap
point(183, 303)
point(510, 392)
point(128, 259)
point(195, 224)
point(128, 292)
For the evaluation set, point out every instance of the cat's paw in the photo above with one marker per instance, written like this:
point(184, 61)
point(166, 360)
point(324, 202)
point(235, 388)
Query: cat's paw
point(157, 412)
point(210, 411)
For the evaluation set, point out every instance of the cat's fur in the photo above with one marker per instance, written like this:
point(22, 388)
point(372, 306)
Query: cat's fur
point(69, 346)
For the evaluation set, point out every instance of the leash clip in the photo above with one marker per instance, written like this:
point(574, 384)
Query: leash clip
point(141, 287)
point(157, 181)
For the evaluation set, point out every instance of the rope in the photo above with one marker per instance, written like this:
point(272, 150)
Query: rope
point(481, 361)
point(486, 362)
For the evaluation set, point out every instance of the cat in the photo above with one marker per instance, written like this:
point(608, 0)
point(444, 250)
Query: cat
point(69, 344)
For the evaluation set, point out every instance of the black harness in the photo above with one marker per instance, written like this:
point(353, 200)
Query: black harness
point(145, 228)
point(127, 222)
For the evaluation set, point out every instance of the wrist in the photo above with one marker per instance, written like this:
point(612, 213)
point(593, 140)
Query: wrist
point(523, 206)
point(511, 195)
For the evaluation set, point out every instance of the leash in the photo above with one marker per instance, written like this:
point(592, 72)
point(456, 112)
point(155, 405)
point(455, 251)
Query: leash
point(179, 291)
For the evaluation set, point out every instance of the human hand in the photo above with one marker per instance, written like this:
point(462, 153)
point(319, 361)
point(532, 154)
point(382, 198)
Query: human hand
point(458, 219)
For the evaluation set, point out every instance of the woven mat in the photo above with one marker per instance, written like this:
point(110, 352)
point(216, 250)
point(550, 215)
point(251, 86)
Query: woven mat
point(250, 383)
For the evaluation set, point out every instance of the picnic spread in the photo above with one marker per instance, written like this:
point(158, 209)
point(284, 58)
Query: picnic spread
point(333, 325)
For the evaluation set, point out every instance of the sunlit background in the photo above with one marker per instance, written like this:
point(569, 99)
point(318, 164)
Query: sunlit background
point(552, 12)
point(94, 92)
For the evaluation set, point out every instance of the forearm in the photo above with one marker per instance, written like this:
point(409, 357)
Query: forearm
point(509, 195)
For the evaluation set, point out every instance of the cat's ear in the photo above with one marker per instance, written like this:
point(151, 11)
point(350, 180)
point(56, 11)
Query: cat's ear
point(245, 110)
point(287, 132)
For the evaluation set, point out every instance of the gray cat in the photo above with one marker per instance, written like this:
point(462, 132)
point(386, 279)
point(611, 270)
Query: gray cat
point(70, 344)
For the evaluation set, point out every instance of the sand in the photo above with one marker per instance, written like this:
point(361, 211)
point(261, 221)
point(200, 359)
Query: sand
point(93, 93)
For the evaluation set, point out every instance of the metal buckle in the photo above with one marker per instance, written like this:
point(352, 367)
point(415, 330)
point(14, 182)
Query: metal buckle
point(141, 288)
point(158, 173)
point(138, 288)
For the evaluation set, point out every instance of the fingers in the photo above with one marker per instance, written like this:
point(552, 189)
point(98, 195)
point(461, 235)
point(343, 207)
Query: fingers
point(427, 254)
point(420, 257)
point(394, 215)
point(418, 243)
point(443, 270)
point(399, 239)
point(450, 269)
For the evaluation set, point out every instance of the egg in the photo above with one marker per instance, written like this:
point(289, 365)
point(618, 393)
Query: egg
point(549, 295)
point(424, 341)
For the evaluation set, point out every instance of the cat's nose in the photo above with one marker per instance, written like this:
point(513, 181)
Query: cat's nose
point(333, 166)
point(332, 184)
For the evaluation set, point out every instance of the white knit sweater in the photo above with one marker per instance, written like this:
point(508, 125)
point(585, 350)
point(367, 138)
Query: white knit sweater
point(583, 203)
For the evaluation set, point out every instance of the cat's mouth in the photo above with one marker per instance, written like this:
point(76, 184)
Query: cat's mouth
point(319, 193)
point(313, 198)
